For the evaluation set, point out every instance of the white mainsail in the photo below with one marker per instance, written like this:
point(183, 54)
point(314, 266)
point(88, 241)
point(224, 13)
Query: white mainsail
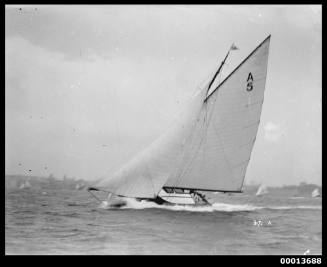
point(210, 147)
point(219, 150)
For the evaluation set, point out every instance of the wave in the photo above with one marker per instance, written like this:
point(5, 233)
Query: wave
point(73, 204)
point(224, 207)
point(134, 204)
point(295, 207)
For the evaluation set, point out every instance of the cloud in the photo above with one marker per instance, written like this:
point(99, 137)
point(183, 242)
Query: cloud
point(113, 75)
point(63, 111)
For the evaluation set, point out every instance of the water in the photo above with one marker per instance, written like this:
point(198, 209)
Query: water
point(66, 221)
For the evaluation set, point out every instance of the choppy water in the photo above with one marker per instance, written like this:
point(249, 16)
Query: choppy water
point(71, 222)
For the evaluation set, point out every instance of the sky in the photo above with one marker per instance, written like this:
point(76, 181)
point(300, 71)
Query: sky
point(87, 87)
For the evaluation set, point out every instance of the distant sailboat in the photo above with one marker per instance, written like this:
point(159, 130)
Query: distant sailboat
point(25, 184)
point(315, 193)
point(208, 149)
point(80, 186)
point(22, 186)
point(262, 190)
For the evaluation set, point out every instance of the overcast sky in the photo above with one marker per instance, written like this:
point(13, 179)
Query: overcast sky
point(87, 87)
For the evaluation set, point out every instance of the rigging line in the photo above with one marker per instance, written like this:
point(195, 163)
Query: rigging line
point(224, 153)
point(95, 196)
point(205, 133)
point(180, 157)
point(206, 105)
point(204, 130)
point(116, 120)
point(207, 121)
point(183, 158)
point(194, 155)
point(204, 136)
point(190, 161)
point(147, 173)
point(187, 140)
point(213, 108)
point(188, 137)
point(181, 154)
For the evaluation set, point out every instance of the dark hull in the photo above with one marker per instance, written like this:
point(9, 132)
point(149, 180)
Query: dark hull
point(158, 200)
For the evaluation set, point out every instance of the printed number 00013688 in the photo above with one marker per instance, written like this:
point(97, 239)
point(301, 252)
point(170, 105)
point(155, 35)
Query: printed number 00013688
point(299, 260)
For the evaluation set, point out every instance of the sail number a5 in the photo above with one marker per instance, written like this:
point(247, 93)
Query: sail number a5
point(249, 86)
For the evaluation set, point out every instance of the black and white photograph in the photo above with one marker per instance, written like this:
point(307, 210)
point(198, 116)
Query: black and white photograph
point(163, 130)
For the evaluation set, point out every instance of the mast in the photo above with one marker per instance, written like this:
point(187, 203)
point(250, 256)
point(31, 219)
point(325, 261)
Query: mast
point(217, 72)
point(233, 47)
